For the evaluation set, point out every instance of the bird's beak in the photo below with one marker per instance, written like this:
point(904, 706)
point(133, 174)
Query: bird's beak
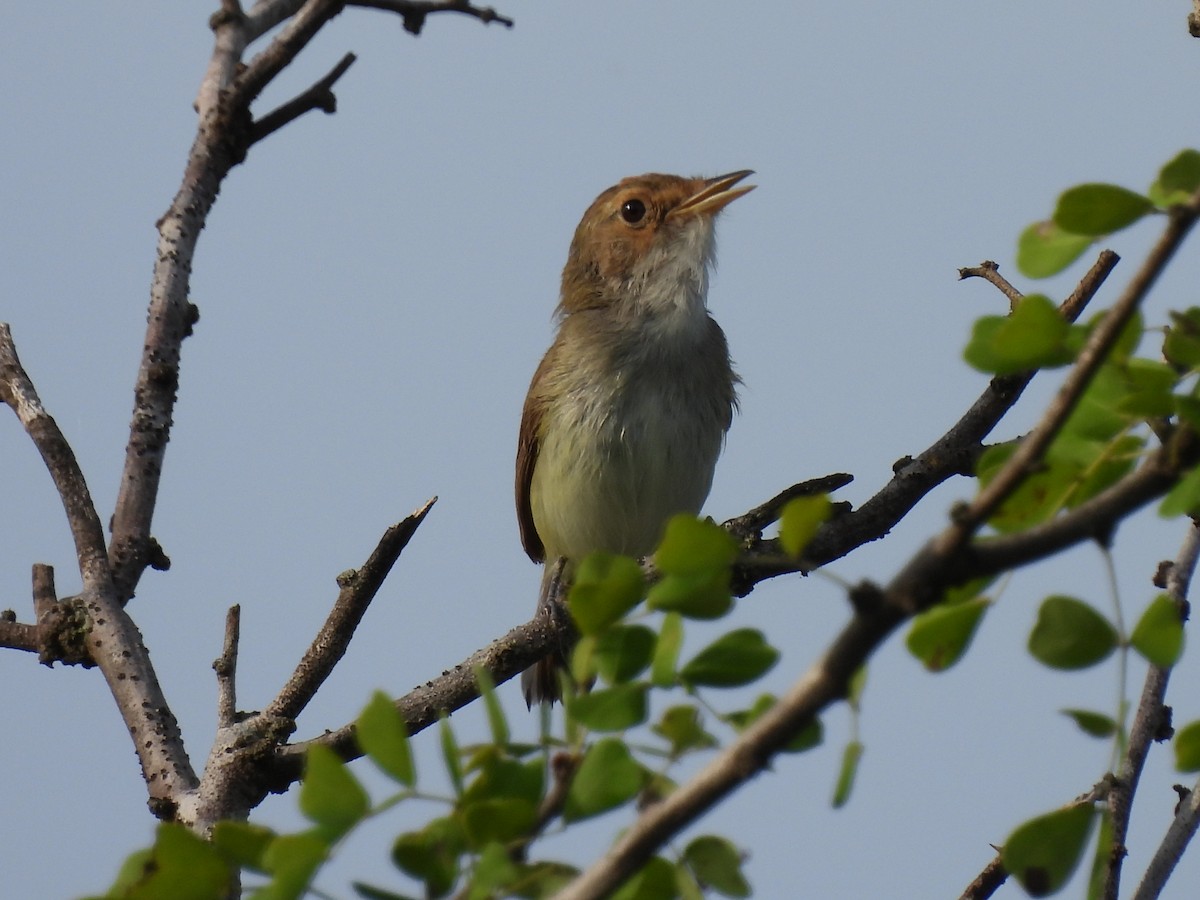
point(714, 194)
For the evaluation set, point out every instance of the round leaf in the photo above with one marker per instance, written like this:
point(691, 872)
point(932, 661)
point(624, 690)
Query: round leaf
point(1158, 635)
point(799, 521)
point(381, 734)
point(939, 636)
point(330, 795)
point(1093, 723)
point(692, 546)
point(605, 587)
point(1044, 249)
point(1187, 747)
point(623, 652)
point(717, 864)
point(1097, 209)
point(1043, 852)
point(613, 709)
point(607, 778)
point(1069, 634)
point(734, 659)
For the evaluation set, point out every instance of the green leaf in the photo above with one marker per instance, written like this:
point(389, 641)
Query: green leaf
point(1187, 747)
point(180, 864)
point(1181, 347)
point(1098, 209)
point(734, 659)
point(292, 860)
point(371, 892)
point(614, 709)
point(851, 757)
point(607, 778)
point(243, 843)
point(501, 776)
point(1096, 724)
point(1188, 410)
point(381, 733)
point(451, 755)
point(704, 595)
point(1178, 179)
point(1043, 852)
point(717, 864)
point(800, 520)
point(1033, 336)
point(1184, 498)
point(431, 855)
point(810, 736)
point(623, 652)
point(1158, 635)
point(500, 819)
point(494, 871)
point(1150, 385)
point(666, 651)
point(940, 635)
point(495, 713)
point(655, 881)
point(683, 729)
point(1069, 634)
point(605, 587)
point(1101, 856)
point(330, 795)
point(693, 546)
point(1044, 249)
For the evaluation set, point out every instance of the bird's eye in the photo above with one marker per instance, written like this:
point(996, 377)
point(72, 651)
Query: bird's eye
point(633, 211)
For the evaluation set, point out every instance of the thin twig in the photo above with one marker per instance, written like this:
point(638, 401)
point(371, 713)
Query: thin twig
point(990, 272)
point(319, 96)
point(751, 524)
point(358, 589)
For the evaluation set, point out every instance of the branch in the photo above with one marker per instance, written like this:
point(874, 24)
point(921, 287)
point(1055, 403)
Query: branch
point(421, 707)
point(954, 453)
point(1152, 722)
point(319, 96)
point(112, 639)
point(990, 272)
point(226, 668)
point(18, 392)
point(358, 589)
point(414, 13)
point(1170, 850)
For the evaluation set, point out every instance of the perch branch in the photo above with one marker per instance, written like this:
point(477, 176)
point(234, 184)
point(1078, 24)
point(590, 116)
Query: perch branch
point(943, 562)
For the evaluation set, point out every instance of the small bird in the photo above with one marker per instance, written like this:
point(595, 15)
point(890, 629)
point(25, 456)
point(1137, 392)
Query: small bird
point(628, 410)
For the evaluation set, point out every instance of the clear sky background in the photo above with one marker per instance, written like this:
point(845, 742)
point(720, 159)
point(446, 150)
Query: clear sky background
point(376, 288)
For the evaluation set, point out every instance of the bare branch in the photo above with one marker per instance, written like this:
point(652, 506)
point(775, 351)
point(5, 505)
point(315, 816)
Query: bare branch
point(751, 524)
point(319, 96)
point(1151, 722)
point(18, 392)
point(990, 272)
point(358, 589)
point(226, 668)
point(421, 707)
point(113, 641)
point(414, 13)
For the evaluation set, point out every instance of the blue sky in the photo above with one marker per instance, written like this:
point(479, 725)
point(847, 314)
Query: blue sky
point(375, 290)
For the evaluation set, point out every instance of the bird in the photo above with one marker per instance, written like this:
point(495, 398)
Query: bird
point(627, 412)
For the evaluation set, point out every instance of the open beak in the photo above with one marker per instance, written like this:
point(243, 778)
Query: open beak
point(715, 194)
